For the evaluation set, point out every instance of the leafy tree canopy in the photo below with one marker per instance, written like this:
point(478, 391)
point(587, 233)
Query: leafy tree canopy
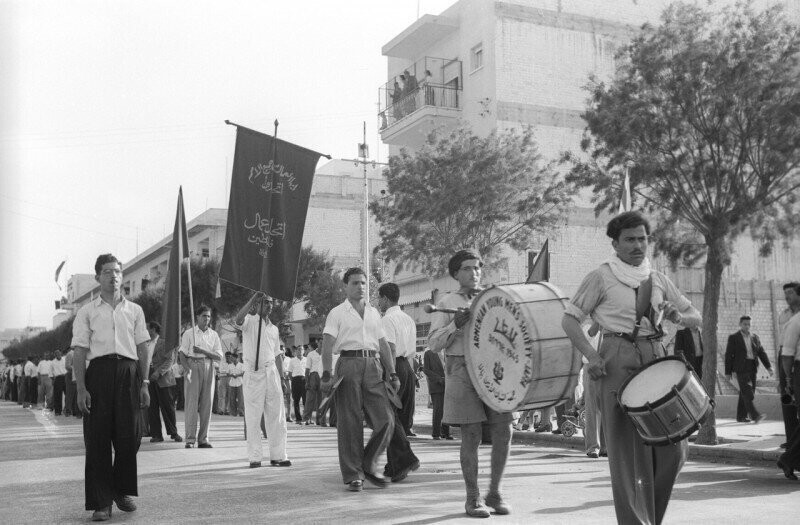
point(464, 191)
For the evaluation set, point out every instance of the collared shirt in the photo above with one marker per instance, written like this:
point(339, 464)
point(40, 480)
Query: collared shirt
point(224, 368)
point(45, 368)
point(208, 341)
point(297, 366)
point(401, 331)
point(444, 335)
point(314, 362)
point(270, 342)
point(791, 337)
point(612, 304)
point(18, 370)
point(58, 368)
point(30, 369)
point(748, 344)
point(237, 368)
point(351, 331)
point(104, 329)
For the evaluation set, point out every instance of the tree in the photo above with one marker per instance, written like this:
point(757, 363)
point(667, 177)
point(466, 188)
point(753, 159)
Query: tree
point(464, 191)
point(704, 111)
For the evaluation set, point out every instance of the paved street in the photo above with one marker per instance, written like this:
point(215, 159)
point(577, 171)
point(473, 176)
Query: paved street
point(41, 480)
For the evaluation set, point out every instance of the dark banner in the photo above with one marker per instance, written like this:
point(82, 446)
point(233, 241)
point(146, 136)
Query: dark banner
point(171, 315)
point(270, 190)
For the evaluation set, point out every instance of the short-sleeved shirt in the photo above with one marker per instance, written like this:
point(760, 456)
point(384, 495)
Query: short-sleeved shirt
point(270, 342)
point(208, 340)
point(45, 367)
point(350, 331)
point(612, 304)
point(30, 369)
point(400, 330)
point(297, 366)
point(791, 337)
point(237, 368)
point(105, 329)
point(444, 335)
point(57, 367)
point(314, 362)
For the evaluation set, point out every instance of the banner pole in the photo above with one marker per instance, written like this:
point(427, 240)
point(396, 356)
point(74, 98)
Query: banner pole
point(258, 339)
point(191, 299)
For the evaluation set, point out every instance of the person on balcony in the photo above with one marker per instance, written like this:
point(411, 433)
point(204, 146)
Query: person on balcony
point(397, 98)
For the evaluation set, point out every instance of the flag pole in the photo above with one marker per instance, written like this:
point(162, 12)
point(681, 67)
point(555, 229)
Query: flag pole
point(258, 339)
point(191, 299)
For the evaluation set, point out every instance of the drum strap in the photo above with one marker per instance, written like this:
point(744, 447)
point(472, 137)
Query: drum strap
point(643, 294)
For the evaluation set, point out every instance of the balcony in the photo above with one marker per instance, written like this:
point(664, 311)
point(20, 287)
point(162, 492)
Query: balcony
point(409, 109)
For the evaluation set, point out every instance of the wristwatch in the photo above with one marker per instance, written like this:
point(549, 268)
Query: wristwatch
point(145, 381)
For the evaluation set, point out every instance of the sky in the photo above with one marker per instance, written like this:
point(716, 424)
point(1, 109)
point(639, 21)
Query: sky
point(106, 108)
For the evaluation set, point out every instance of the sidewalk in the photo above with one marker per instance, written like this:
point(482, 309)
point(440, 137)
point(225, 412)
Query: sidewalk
point(739, 443)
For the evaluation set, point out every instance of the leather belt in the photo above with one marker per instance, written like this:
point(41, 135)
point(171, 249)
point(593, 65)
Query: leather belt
point(358, 353)
point(631, 339)
point(114, 357)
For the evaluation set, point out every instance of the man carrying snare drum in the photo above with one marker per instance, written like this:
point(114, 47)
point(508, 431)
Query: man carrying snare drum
point(462, 406)
point(621, 291)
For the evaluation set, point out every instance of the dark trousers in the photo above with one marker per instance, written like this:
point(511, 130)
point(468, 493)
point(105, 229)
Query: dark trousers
point(789, 410)
point(178, 393)
point(162, 406)
point(439, 430)
point(71, 398)
point(407, 392)
point(59, 387)
point(110, 431)
point(14, 389)
point(235, 401)
point(33, 390)
point(313, 397)
point(22, 390)
point(399, 455)
point(747, 388)
point(298, 394)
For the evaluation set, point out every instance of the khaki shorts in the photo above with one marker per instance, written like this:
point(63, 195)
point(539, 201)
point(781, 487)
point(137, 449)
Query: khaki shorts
point(461, 402)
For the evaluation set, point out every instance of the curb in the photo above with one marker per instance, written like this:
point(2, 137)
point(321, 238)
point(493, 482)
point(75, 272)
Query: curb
point(726, 452)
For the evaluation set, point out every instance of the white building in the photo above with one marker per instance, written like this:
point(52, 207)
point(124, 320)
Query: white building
point(507, 63)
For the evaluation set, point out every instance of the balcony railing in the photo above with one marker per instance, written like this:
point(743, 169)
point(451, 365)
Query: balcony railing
point(426, 95)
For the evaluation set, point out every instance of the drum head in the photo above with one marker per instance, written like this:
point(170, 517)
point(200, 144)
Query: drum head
point(653, 382)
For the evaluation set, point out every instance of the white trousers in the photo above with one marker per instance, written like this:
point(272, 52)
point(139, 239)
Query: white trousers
point(263, 395)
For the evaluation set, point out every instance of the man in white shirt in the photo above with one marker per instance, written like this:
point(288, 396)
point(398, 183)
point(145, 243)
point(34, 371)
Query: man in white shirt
point(59, 371)
point(791, 292)
point(31, 383)
point(263, 395)
point(223, 401)
point(313, 375)
point(353, 330)
point(297, 374)
point(110, 333)
point(235, 372)
point(44, 371)
point(200, 347)
point(401, 335)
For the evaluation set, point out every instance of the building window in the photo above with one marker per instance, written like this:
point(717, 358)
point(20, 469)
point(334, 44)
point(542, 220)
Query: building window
point(423, 329)
point(476, 58)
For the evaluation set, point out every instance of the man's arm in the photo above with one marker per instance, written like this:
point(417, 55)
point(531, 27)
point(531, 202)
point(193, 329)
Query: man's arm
point(143, 352)
point(327, 355)
point(576, 335)
point(729, 351)
point(387, 360)
point(244, 310)
point(79, 370)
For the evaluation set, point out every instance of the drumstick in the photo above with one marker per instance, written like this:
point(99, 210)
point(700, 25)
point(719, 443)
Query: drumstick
point(429, 309)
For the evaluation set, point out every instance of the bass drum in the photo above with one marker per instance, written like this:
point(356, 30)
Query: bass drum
point(517, 354)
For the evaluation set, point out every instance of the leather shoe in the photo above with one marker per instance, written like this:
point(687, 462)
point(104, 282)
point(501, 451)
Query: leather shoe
point(176, 438)
point(544, 428)
point(255, 464)
point(557, 431)
point(603, 454)
point(411, 434)
point(378, 481)
point(125, 503)
point(355, 485)
point(280, 463)
point(496, 502)
point(449, 437)
point(593, 454)
point(403, 474)
point(436, 438)
point(745, 420)
point(189, 445)
point(156, 440)
point(759, 419)
point(787, 470)
point(476, 509)
point(102, 514)
point(205, 445)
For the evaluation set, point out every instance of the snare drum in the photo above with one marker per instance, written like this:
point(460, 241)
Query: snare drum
point(665, 400)
point(517, 354)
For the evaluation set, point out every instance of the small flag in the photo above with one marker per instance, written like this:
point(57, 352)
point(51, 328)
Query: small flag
point(171, 316)
point(58, 271)
point(540, 269)
point(625, 199)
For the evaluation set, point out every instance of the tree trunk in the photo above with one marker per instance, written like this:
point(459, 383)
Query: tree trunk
point(715, 263)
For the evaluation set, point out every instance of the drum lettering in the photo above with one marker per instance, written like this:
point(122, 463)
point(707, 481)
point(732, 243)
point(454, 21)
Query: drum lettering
point(498, 372)
point(503, 349)
point(507, 331)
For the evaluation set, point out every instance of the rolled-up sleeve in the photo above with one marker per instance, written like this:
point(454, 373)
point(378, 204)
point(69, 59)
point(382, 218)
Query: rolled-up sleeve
point(586, 299)
point(140, 333)
point(332, 323)
point(81, 334)
point(443, 329)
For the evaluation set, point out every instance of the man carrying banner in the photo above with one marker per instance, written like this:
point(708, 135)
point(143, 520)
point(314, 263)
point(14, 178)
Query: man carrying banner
point(623, 296)
point(200, 347)
point(110, 332)
point(353, 331)
point(263, 395)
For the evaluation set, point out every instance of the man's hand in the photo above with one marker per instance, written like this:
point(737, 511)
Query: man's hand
point(84, 401)
point(198, 350)
point(154, 376)
point(326, 376)
point(395, 382)
point(462, 317)
point(144, 396)
point(771, 373)
point(597, 366)
point(671, 312)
